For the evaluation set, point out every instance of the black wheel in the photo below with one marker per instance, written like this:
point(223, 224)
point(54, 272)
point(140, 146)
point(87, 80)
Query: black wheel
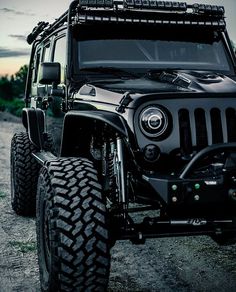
point(72, 232)
point(24, 175)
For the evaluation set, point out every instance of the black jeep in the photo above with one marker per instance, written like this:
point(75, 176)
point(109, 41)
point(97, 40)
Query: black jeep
point(148, 148)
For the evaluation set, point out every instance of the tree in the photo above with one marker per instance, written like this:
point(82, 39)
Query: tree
point(6, 88)
point(19, 81)
point(14, 86)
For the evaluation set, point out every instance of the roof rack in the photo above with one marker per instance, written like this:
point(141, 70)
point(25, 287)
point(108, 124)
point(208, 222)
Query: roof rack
point(43, 29)
point(152, 12)
point(132, 11)
point(155, 5)
point(37, 30)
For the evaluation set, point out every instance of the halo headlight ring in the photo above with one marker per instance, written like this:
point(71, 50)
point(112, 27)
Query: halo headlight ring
point(154, 121)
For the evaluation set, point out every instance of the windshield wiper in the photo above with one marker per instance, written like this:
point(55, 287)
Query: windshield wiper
point(111, 70)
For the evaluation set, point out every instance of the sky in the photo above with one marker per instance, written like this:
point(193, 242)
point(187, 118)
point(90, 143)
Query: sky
point(18, 17)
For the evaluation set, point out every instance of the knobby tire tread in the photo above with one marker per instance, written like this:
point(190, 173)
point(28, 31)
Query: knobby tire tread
point(24, 175)
point(80, 254)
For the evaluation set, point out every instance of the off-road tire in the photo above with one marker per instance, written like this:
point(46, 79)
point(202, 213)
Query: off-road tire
point(24, 175)
point(72, 232)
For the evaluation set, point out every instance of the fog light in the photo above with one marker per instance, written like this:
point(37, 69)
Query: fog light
point(151, 153)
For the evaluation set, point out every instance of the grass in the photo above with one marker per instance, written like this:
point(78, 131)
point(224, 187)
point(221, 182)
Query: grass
point(24, 247)
point(14, 106)
point(2, 195)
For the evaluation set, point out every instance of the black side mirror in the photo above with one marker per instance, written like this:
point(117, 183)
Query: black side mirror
point(50, 73)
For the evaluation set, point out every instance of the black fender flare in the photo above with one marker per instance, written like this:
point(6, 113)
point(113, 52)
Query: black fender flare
point(77, 119)
point(33, 120)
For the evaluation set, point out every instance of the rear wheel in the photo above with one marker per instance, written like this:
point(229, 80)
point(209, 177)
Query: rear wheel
point(72, 232)
point(24, 175)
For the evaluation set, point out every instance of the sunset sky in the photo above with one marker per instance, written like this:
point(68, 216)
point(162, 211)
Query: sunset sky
point(18, 17)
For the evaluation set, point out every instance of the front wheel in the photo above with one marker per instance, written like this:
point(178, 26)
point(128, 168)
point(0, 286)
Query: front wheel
point(72, 231)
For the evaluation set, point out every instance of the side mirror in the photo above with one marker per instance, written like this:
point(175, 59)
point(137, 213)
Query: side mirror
point(49, 73)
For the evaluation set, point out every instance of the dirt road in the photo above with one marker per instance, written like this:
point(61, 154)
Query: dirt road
point(173, 264)
point(18, 262)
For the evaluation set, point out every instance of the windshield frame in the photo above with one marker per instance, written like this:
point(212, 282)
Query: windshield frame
point(84, 32)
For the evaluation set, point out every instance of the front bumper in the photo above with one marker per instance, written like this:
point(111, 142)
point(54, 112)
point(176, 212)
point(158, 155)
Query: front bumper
point(209, 196)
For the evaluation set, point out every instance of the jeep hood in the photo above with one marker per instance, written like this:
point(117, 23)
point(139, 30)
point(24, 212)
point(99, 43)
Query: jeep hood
point(165, 81)
point(175, 83)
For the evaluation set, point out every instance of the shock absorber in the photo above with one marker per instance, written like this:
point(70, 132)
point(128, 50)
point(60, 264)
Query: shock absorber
point(113, 190)
point(114, 174)
point(120, 167)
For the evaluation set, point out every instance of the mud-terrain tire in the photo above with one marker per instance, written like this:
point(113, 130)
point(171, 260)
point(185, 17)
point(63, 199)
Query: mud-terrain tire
point(72, 232)
point(24, 175)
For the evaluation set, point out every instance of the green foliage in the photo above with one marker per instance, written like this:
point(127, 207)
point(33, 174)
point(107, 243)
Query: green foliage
point(19, 81)
point(2, 195)
point(12, 90)
point(6, 88)
point(12, 106)
point(13, 86)
point(24, 247)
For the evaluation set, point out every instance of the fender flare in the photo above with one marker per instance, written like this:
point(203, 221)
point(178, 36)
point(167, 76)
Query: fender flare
point(34, 122)
point(77, 118)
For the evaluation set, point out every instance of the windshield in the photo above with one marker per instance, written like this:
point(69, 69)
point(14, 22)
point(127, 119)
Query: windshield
point(147, 50)
point(149, 54)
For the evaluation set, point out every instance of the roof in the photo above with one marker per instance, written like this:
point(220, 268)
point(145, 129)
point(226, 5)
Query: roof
point(150, 12)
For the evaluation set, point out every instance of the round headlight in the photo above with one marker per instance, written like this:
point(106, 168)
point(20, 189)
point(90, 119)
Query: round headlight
point(153, 121)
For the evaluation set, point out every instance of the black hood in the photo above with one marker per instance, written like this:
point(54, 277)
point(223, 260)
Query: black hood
point(209, 82)
point(175, 81)
point(187, 84)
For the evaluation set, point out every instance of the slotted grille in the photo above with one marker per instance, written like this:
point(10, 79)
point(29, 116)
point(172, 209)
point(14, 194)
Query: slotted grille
point(185, 132)
point(200, 128)
point(231, 124)
point(217, 132)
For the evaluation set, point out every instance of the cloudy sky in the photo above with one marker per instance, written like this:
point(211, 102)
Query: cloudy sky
point(18, 17)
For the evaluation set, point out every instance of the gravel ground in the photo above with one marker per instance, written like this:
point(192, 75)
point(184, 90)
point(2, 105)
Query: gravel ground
point(172, 264)
point(18, 261)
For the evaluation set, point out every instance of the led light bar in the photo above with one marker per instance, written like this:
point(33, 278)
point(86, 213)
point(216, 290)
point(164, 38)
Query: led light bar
point(165, 6)
point(209, 9)
point(153, 4)
point(86, 16)
point(152, 12)
point(96, 3)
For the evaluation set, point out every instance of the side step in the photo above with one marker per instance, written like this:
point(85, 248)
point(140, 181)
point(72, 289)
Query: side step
point(44, 156)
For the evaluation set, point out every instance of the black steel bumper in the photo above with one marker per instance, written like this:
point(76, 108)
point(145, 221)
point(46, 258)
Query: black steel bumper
point(203, 196)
